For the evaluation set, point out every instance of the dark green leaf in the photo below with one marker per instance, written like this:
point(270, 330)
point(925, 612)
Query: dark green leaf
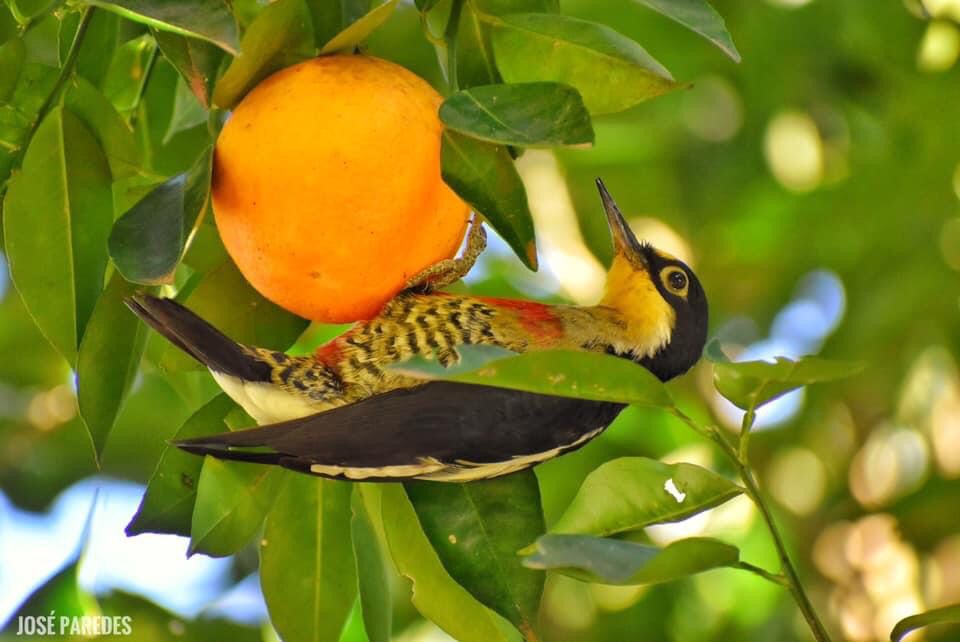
point(280, 36)
point(123, 84)
point(108, 360)
point(150, 623)
point(116, 137)
point(943, 615)
point(147, 243)
point(700, 17)
point(567, 373)
point(331, 17)
point(485, 177)
point(475, 64)
point(210, 20)
point(632, 492)
point(609, 70)
point(57, 215)
point(424, 5)
point(27, 10)
point(12, 55)
point(232, 500)
point(225, 299)
point(435, 594)
point(750, 384)
point(373, 580)
point(500, 7)
point(539, 114)
point(167, 505)
point(472, 357)
point(196, 61)
point(477, 529)
point(611, 561)
point(713, 351)
point(307, 569)
point(99, 44)
point(360, 30)
point(187, 112)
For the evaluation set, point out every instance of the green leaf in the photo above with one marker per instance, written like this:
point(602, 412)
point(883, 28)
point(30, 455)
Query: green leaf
point(98, 47)
point(187, 112)
point(713, 351)
point(475, 64)
point(435, 594)
point(373, 581)
point(485, 177)
point(196, 61)
point(567, 373)
point(424, 5)
point(331, 17)
point(632, 492)
point(307, 569)
point(500, 7)
point(209, 20)
point(476, 530)
point(472, 357)
point(148, 242)
point(225, 299)
point(700, 17)
point(167, 505)
point(61, 595)
point(541, 114)
point(128, 72)
point(360, 30)
point(280, 36)
point(612, 561)
point(57, 215)
point(750, 384)
point(609, 70)
point(108, 360)
point(232, 500)
point(943, 615)
point(12, 54)
point(116, 137)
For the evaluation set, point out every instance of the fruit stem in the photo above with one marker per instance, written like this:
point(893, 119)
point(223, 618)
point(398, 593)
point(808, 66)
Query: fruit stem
point(450, 37)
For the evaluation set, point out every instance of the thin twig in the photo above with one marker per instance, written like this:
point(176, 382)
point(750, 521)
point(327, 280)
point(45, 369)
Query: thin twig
point(776, 578)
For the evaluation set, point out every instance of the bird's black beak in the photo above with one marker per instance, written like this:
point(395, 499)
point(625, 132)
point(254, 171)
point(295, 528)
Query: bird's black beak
point(624, 242)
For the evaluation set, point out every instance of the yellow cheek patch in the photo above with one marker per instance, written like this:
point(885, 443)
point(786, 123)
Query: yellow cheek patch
point(650, 318)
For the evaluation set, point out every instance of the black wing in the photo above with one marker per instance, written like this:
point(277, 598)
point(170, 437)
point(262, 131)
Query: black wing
point(440, 429)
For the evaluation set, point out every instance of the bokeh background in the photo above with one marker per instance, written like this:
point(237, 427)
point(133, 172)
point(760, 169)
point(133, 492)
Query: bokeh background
point(815, 188)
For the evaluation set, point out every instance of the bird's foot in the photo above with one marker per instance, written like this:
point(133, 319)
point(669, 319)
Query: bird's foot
point(443, 273)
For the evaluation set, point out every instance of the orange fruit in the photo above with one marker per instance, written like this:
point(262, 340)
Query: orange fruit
point(327, 189)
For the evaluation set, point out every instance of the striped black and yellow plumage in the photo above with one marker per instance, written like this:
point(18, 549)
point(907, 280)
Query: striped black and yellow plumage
point(343, 412)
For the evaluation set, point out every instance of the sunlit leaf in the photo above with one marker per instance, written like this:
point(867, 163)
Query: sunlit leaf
point(485, 177)
point(196, 61)
point(373, 580)
point(210, 20)
point(539, 114)
point(149, 622)
point(944, 615)
point(750, 384)
point(167, 504)
point(609, 70)
point(477, 529)
point(57, 215)
point(700, 17)
point(280, 36)
point(60, 595)
point(360, 30)
point(232, 501)
point(435, 594)
point(307, 570)
point(612, 561)
point(108, 359)
point(632, 492)
point(116, 137)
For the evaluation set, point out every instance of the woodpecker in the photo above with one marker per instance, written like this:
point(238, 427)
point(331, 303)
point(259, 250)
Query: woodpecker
point(345, 413)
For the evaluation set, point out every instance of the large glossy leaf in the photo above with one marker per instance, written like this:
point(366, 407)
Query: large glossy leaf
point(195, 60)
point(485, 177)
point(944, 615)
point(360, 30)
point(609, 70)
point(307, 570)
point(108, 360)
point(565, 373)
point(225, 299)
point(148, 242)
point(632, 492)
point(114, 134)
point(750, 384)
point(210, 20)
point(232, 500)
point(280, 36)
point(700, 17)
point(541, 114)
point(435, 594)
point(167, 505)
point(57, 216)
point(477, 529)
point(373, 580)
point(612, 561)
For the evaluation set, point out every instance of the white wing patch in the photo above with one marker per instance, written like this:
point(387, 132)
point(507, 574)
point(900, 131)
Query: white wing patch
point(266, 403)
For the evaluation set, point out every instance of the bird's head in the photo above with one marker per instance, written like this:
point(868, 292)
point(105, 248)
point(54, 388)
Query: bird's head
point(659, 298)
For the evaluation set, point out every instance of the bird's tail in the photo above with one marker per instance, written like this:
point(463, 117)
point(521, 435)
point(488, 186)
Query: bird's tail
point(198, 338)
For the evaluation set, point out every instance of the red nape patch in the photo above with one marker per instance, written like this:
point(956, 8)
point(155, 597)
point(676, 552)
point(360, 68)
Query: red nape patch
point(330, 354)
point(538, 319)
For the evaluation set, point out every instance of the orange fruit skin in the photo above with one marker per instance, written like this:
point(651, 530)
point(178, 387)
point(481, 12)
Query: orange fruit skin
point(327, 190)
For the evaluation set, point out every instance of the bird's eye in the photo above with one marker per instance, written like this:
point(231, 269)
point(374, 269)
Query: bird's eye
point(675, 279)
